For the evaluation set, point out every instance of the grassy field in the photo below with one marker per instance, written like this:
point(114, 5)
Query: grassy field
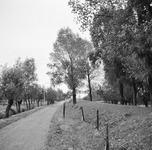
point(130, 127)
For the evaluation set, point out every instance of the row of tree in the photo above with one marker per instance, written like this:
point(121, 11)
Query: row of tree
point(69, 62)
point(121, 32)
point(18, 84)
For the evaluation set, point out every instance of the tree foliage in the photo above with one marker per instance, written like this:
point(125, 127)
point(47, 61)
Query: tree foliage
point(121, 34)
point(11, 85)
point(65, 61)
point(17, 83)
point(51, 96)
point(30, 77)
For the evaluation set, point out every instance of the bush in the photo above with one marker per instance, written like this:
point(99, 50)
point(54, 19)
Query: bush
point(51, 96)
point(110, 95)
point(86, 98)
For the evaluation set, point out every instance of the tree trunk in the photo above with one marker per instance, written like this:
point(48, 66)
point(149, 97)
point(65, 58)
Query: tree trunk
point(31, 100)
point(28, 98)
point(47, 102)
point(38, 103)
point(16, 106)
point(145, 101)
point(19, 108)
point(121, 93)
point(134, 93)
point(90, 89)
point(25, 98)
point(150, 88)
point(29, 104)
point(19, 105)
point(10, 103)
point(74, 95)
point(73, 83)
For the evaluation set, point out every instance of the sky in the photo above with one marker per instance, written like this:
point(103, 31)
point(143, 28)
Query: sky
point(28, 28)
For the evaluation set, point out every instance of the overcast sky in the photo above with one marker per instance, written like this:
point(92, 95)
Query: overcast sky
point(28, 28)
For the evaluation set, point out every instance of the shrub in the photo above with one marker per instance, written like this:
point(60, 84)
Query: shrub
point(86, 98)
point(109, 95)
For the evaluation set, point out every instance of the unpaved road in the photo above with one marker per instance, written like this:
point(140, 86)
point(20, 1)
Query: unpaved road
point(29, 133)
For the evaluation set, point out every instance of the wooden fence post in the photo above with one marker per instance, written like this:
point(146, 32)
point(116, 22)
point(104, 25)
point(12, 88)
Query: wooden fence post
point(107, 138)
point(82, 113)
point(64, 110)
point(97, 119)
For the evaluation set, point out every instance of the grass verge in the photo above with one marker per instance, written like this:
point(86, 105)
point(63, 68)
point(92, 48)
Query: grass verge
point(14, 118)
point(130, 127)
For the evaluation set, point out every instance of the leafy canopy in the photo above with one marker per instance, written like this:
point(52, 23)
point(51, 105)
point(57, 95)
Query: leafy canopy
point(64, 64)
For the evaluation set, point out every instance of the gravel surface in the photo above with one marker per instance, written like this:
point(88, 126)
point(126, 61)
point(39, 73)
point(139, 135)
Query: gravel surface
point(29, 133)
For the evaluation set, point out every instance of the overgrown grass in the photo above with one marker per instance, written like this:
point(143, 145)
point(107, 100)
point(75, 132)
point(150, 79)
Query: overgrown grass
point(130, 127)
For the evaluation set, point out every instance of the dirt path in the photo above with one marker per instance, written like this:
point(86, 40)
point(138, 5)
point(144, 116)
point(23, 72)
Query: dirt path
point(29, 133)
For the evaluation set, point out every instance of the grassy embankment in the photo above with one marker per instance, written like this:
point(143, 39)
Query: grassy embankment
point(130, 127)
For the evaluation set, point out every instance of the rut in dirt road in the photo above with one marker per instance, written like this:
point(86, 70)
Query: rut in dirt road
point(29, 133)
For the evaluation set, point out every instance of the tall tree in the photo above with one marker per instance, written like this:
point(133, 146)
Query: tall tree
point(121, 29)
point(19, 95)
point(68, 52)
point(11, 85)
point(141, 47)
point(30, 77)
point(106, 37)
point(39, 93)
point(90, 69)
